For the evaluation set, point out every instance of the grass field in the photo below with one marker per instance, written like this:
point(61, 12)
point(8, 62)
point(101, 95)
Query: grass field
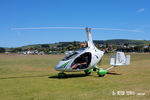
point(33, 77)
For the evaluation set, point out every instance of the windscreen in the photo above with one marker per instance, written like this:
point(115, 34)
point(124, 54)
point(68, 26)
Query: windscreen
point(70, 56)
point(73, 54)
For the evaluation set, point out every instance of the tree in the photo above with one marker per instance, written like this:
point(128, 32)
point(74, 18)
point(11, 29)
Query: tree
point(2, 50)
point(45, 46)
point(139, 48)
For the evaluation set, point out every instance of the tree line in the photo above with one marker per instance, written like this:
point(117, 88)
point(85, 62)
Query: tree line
point(108, 46)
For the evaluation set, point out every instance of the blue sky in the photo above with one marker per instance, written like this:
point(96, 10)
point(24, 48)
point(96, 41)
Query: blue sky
point(120, 14)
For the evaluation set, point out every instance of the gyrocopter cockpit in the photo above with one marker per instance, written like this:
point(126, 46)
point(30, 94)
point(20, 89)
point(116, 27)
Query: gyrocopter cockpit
point(82, 62)
point(79, 60)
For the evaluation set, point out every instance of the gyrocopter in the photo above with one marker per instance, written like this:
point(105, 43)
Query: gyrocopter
point(86, 59)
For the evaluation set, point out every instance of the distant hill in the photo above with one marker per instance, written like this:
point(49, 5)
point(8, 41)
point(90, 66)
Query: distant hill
point(122, 41)
point(113, 42)
point(52, 44)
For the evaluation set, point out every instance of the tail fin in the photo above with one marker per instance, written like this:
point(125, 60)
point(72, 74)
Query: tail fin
point(112, 60)
point(127, 59)
point(121, 59)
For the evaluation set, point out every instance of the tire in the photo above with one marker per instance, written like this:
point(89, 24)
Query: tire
point(62, 75)
point(94, 69)
point(101, 75)
point(87, 73)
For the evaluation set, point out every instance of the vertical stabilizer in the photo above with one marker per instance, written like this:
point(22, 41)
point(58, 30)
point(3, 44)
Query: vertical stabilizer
point(127, 59)
point(112, 60)
point(120, 58)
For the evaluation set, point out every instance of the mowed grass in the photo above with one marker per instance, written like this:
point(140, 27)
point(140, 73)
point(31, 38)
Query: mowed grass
point(33, 77)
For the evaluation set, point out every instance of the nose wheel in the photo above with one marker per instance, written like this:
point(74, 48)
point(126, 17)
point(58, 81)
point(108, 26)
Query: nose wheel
point(62, 75)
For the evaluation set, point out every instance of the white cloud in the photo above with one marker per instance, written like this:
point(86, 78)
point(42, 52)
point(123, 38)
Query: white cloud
point(140, 10)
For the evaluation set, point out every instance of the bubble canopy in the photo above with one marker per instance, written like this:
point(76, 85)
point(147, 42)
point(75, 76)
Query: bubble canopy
point(73, 54)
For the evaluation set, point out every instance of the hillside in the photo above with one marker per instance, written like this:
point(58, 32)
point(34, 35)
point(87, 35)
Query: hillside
point(113, 42)
point(123, 41)
point(65, 44)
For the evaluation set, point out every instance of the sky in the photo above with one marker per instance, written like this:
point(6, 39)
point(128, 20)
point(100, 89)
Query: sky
point(118, 14)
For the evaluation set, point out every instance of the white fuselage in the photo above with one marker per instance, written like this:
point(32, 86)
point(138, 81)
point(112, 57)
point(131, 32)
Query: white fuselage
point(65, 64)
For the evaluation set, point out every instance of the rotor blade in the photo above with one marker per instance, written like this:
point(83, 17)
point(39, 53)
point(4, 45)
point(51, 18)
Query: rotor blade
point(116, 29)
point(34, 28)
point(107, 29)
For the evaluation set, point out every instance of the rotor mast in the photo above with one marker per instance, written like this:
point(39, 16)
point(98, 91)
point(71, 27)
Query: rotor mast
point(89, 36)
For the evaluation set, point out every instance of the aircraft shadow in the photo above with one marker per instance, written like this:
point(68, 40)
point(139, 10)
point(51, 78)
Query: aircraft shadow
point(69, 76)
point(77, 75)
point(23, 77)
point(113, 73)
point(56, 76)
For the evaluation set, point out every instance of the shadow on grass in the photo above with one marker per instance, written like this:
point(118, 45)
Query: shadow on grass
point(77, 75)
point(113, 73)
point(23, 77)
point(69, 76)
point(56, 76)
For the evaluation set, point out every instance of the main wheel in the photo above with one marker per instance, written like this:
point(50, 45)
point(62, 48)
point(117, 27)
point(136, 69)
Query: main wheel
point(101, 75)
point(101, 72)
point(62, 75)
point(94, 69)
point(88, 72)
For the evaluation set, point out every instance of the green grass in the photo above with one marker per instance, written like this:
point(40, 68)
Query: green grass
point(32, 77)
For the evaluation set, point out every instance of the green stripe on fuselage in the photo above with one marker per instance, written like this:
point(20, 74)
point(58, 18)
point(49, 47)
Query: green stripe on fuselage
point(63, 65)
